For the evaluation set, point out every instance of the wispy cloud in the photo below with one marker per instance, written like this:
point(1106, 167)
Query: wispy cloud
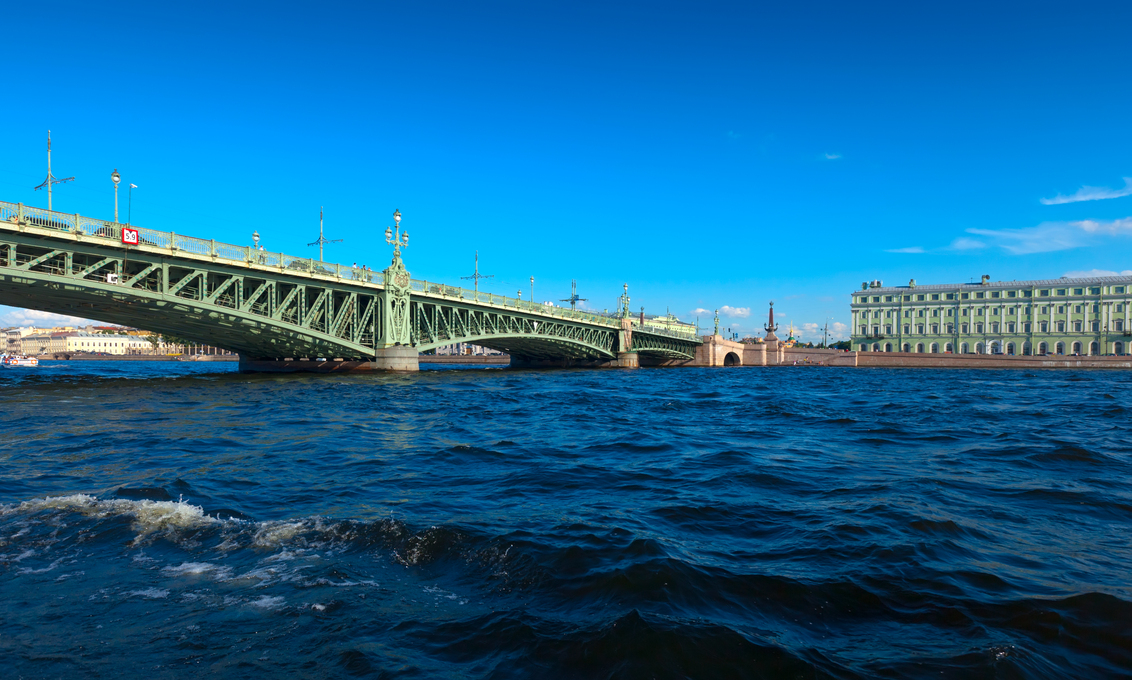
point(15, 316)
point(1091, 194)
point(832, 156)
point(736, 312)
point(1121, 226)
point(964, 243)
point(913, 249)
point(1047, 237)
point(1096, 272)
point(700, 311)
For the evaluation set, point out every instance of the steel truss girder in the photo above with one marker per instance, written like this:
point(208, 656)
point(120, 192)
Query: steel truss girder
point(436, 323)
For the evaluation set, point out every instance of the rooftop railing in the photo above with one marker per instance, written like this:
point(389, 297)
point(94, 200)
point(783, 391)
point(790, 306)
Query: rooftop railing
point(110, 233)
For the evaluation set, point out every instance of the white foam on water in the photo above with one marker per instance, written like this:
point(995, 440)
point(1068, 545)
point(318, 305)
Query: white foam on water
point(149, 516)
point(219, 572)
point(268, 602)
point(272, 534)
point(44, 570)
point(150, 593)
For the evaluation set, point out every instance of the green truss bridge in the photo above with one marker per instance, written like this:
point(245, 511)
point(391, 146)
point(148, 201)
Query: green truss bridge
point(292, 313)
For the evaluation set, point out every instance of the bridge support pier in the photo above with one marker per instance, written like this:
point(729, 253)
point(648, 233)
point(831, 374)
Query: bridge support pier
point(627, 360)
point(398, 358)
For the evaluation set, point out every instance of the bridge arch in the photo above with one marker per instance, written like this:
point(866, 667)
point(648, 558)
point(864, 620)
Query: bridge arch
point(732, 359)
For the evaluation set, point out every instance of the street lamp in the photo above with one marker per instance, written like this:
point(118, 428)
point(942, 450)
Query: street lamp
point(115, 177)
point(532, 291)
point(255, 239)
point(397, 239)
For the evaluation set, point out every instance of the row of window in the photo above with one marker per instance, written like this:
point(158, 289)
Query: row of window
point(993, 294)
point(996, 327)
point(982, 311)
point(995, 347)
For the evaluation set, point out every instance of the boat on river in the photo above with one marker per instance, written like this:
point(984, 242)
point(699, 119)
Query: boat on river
point(18, 361)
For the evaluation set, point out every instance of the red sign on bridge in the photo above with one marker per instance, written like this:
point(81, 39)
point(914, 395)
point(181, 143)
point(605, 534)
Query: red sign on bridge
point(130, 236)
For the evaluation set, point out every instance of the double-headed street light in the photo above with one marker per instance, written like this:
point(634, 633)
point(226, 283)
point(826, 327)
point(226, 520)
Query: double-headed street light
point(115, 177)
point(397, 239)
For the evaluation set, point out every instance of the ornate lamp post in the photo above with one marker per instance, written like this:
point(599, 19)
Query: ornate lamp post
point(532, 292)
point(395, 237)
point(625, 302)
point(115, 177)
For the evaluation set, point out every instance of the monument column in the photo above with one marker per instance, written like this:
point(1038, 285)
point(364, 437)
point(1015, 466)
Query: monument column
point(393, 350)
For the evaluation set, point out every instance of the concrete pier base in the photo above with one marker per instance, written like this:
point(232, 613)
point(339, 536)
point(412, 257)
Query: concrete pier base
point(628, 360)
point(392, 359)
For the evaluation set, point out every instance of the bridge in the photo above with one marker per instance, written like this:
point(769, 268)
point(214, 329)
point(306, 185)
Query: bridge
point(290, 313)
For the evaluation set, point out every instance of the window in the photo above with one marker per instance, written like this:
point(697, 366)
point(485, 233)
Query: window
point(995, 311)
point(876, 299)
point(920, 328)
point(980, 295)
point(907, 329)
point(920, 312)
point(1043, 293)
point(935, 312)
point(951, 296)
point(1078, 291)
point(1077, 309)
point(1118, 289)
point(1060, 326)
point(1096, 309)
point(935, 329)
point(920, 298)
point(1094, 291)
point(951, 312)
point(888, 330)
point(1027, 293)
point(994, 327)
point(966, 296)
point(1026, 327)
point(876, 330)
point(888, 313)
point(950, 328)
point(1061, 291)
point(935, 296)
point(978, 328)
point(1010, 328)
point(1061, 309)
point(907, 298)
point(1013, 310)
point(965, 312)
point(1043, 326)
point(888, 298)
point(1119, 307)
point(1045, 310)
point(963, 328)
point(1076, 326)
point(995, 294)
point(1011, 293)
point(1096, 326)
point(1120, 324)
point(907, 312)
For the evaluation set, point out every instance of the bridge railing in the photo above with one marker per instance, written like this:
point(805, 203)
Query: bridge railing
point(111, 232)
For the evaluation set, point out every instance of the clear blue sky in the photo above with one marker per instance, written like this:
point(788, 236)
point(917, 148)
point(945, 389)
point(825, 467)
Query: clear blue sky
point(709, 154)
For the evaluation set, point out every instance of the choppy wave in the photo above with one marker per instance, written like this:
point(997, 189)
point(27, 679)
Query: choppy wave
point(571, 524)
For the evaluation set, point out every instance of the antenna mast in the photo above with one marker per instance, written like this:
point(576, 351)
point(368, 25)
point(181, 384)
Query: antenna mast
point(321, 239)
point(573, 299)
point(477, 276)
point(51, 178)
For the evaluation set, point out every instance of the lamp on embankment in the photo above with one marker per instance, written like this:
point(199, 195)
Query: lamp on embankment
point(115, 177)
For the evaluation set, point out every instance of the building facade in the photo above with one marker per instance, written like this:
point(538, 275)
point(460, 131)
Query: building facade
point(1064, 316)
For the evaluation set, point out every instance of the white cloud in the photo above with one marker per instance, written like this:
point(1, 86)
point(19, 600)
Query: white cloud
point(832, 156)
point(1044, 238)
point(964, 243)
point(738, 312)
point(1092, 273)
point(15, 316)
point(913, 249)
point(1122, 226)
point(839, 331)
point(1087, 193)
point(700, 311)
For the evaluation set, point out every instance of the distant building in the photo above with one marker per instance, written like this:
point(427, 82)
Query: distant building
point(669, 322)
point(1050, 316)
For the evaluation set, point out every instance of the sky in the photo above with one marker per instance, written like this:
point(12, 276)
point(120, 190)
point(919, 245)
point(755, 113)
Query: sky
point(712, 155)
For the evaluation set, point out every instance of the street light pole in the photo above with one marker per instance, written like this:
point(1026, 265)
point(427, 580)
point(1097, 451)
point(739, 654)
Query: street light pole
point(532, 292)
point(115, 177)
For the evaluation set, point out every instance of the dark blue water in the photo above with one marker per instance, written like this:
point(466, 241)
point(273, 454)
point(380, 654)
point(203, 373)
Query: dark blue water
point(168, 520)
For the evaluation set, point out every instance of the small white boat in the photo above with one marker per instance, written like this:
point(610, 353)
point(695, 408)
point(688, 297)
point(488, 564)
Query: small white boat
point(18, 361)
